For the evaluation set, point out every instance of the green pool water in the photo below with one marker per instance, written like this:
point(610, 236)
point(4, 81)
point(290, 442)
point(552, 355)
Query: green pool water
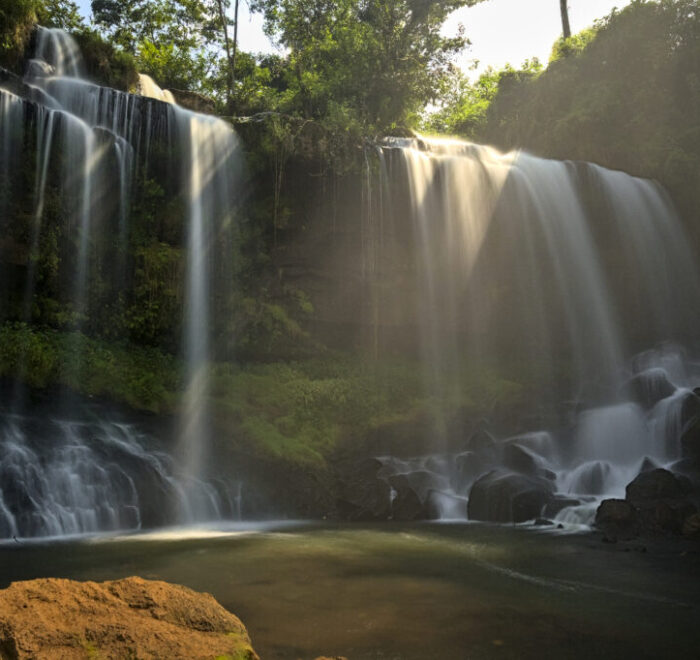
point(411, 591)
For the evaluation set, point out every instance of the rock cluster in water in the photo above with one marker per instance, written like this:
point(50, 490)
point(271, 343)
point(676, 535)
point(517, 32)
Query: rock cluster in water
point(523, 478)
point(130, 618)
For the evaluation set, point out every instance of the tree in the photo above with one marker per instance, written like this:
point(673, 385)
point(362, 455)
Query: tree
point(566, 26)
point(179, 42)
point(367, 64)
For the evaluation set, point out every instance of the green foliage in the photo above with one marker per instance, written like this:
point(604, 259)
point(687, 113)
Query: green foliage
point(17, 18)
point(297, 411)
point(574, 45)
point(363, 67)
point(62, 14)
point(156, 292)
point(177, 42)
point(140, 377)
point(465, 110)
point(174, 67)
point(106, 64)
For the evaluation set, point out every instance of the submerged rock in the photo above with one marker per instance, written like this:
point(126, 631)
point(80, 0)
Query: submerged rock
point(502, 496)
point(130, 618)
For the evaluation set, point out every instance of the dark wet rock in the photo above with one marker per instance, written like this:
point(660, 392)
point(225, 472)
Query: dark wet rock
point(689, 468)
point(655, 485)
point(362, 495)
point(691, 527)
point(469, 466)
point(650, 387)
point(407, 504)
point(648, 464)
point(662, 500)
point(421, 482)
point(502, 496)
point(519, 459)
point(617, 519)
point(690, 408)
point(481, 442)
point(690, 439)
point(543, 522)
point(13, 83)
point(522, 460)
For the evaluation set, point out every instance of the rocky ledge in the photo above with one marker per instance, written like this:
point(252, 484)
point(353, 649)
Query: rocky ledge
point(130, 618)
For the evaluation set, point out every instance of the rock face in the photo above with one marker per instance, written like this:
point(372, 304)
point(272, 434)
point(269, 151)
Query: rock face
point(194, 101)
point(130, 618)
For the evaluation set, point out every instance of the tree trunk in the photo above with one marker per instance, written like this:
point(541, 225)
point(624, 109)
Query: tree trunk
point(227, 44)
point(235, 39)
point(565, 18)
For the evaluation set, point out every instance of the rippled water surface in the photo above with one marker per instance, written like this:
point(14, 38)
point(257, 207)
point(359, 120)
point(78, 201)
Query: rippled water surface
point(411, 592)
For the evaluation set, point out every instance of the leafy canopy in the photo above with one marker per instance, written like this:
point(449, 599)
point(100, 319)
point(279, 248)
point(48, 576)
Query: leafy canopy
point(371, 64)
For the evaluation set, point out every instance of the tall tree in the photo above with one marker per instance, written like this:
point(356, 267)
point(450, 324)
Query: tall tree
point(566, 26)
point(230, 58)
point(371, 63)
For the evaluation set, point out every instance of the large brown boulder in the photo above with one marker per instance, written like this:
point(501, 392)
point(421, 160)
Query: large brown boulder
point(130, 618)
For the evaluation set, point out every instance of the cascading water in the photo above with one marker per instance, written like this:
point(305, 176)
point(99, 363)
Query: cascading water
point(567, 269)
point(91, 145)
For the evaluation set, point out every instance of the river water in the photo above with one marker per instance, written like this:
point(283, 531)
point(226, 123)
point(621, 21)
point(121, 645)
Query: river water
point(410, 592)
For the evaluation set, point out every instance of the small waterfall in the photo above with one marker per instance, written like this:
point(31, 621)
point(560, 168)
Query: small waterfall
point(65, 477)
point(95, 145)
point(566, 268)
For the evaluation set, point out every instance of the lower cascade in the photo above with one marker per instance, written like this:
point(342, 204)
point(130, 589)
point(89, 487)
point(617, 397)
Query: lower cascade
point(64, 477)
point(567, 268)
point(89, 150)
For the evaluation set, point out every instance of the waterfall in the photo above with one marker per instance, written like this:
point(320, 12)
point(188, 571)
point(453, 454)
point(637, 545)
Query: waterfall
point(566, 268)
point(92, 143)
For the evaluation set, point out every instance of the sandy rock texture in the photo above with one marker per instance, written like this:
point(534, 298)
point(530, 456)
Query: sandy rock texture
point(130, 618)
